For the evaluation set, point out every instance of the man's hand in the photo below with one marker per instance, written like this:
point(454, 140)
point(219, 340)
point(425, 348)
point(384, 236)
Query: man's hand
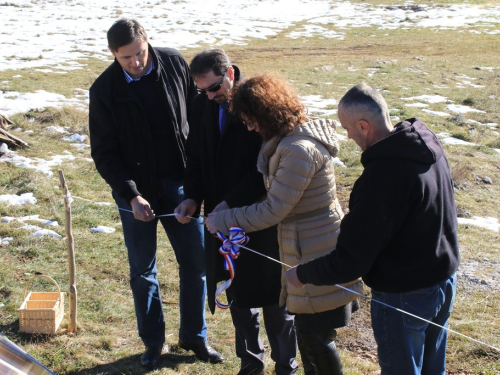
point(221, 206)
point(210, 223)
point(141, 209)
point(292, 279)
point(186, 208)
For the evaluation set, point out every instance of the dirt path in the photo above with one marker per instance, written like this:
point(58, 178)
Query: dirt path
point(357, 337)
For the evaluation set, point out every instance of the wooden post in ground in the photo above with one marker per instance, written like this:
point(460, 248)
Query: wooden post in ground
point(71, 257)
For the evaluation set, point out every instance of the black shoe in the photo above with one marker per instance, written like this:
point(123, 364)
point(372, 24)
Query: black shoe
point(203, 351)
point(151, 357)
point(251, 370)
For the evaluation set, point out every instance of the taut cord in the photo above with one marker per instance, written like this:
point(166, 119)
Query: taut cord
point(241, 234)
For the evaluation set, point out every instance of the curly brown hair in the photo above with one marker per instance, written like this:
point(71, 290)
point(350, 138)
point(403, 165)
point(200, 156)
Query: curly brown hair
point(270, 102)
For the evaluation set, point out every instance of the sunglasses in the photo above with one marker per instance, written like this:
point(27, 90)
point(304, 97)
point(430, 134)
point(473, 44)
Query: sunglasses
point(215, 87)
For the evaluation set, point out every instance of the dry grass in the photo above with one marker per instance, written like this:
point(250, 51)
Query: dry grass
point(411, 62)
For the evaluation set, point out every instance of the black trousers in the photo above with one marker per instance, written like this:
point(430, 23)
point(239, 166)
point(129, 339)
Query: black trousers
point(280, 331)
point(316, 339)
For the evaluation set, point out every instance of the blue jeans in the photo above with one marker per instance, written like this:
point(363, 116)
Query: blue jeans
point(187, 242)
point(408, 345)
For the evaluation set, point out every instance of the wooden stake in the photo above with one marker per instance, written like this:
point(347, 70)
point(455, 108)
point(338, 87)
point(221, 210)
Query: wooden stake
point(71, 257)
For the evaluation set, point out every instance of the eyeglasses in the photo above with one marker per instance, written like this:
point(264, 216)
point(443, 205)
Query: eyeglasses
point(215, 87)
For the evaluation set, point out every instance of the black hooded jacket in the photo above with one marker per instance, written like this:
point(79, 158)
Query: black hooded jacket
point(400, 233)
point(120, 137)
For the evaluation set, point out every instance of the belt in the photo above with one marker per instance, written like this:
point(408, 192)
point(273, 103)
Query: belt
point(311, 214)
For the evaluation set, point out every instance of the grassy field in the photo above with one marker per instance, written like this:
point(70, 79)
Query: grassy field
point(405, 62)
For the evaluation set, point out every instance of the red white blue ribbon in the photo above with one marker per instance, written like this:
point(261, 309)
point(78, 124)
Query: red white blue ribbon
point(230, 250)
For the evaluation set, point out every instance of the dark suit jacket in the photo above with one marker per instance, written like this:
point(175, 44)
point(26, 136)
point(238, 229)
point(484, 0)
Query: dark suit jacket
point(222, 167)
point(120, 138)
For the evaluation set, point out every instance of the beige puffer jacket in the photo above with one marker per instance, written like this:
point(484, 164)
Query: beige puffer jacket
point(300, 179)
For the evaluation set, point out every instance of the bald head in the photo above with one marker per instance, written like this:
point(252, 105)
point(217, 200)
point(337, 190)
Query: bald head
point(364, 113)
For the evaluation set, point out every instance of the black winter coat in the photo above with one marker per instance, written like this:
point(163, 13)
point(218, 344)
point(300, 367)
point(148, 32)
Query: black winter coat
point(223, 168)
point(400, 234)
point(120, 137)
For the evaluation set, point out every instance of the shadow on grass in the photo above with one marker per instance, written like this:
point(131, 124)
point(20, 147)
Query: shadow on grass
point(131, 365)
point(127, 365)
point(10, 328)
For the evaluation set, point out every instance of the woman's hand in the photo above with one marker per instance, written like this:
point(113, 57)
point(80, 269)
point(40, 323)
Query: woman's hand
point(210, 223)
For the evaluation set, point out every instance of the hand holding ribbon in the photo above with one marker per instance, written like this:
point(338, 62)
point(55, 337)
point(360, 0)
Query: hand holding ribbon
point(210, 223)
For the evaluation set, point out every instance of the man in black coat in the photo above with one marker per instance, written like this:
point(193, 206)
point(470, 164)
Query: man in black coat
point(138, 129)
point(221, 173)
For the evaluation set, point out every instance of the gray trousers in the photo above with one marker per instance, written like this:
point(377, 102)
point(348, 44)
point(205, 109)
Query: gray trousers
point(280, 331)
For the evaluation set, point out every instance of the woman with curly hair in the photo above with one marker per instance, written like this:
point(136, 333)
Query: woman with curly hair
point(296, 160)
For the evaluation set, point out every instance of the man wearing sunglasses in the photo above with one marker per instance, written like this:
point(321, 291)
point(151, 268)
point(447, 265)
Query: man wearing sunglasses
point(138, 129)
point(221, 173)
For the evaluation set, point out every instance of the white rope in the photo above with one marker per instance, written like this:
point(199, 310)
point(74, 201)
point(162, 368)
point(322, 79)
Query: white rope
point(385, 304)
point(122, 209)
point(337, 285)
point(415, 316)
point(265, 256)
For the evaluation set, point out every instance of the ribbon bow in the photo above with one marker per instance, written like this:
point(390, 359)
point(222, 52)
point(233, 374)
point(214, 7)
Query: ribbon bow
point(230, 249)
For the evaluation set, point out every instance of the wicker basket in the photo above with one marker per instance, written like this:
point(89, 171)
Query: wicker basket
point(41, 312)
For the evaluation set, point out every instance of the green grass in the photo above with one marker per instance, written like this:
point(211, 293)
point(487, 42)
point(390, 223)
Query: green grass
point(412, 62)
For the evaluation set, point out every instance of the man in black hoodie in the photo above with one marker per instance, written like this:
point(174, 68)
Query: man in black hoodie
point(400, 235)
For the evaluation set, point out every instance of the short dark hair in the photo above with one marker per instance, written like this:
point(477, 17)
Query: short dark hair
point(365, 96)
point(209, 59)
point(123, 32)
